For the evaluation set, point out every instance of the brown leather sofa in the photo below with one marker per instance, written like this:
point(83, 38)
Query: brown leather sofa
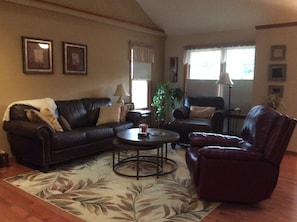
point(240, 169)
point(184, 124)
point(40, 146)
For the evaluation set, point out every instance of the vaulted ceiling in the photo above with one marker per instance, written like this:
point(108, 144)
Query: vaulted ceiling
point(185, 17)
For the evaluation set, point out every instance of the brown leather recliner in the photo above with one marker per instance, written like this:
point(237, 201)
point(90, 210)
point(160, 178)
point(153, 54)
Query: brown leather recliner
point(240, 169)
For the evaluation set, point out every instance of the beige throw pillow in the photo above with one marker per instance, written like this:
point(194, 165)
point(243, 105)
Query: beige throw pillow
point(201, 111)
point(64, 123)
point(123, 115)
point(51, 118)
point(36, 116)
point(109, 114)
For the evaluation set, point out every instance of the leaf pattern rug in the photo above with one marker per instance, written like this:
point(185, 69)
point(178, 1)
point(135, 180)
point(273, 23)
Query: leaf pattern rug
point(89, 189)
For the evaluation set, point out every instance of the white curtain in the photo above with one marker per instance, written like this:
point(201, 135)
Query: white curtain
point(142, 52)
point(190, 49)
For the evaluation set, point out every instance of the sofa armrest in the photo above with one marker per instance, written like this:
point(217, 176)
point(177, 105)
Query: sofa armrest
point(201, 139)
point(181, 113)
point(217, 120)
point(26, 128)
point(133, 117)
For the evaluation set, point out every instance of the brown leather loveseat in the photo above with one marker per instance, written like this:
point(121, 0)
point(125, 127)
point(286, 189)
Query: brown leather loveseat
point(39, 145)
point(240, 169)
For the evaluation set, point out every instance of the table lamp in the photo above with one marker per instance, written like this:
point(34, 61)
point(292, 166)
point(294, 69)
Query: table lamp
point(121, 91)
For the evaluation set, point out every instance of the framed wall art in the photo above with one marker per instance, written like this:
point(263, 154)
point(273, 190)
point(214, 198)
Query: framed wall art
point(276, 89)
point(278, 52)
point(37, 55)
point(277, 72)
point(74, 58)
point(173, 67)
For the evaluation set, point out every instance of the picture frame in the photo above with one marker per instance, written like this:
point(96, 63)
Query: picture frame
point(74, 58)
point(277, 72)
point(173, 69)
point(278, 52)
point(276, 89)
point(37, 55)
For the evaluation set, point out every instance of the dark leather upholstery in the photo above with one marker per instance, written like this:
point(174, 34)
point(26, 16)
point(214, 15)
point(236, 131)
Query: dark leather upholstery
point(40, 146)
point(240, 169)
point(183, 125)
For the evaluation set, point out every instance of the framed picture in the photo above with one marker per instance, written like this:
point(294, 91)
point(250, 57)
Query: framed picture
point(278, 52)
point(74, 58)
point(37, 55)
point(279, 90)
point(173, 67)
point(277, 72)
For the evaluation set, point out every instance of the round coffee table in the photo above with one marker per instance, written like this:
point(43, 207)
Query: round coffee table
point(130, 140)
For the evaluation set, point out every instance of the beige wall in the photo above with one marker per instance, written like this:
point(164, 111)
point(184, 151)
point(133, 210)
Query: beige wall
point(265, 38)
point(108, 54)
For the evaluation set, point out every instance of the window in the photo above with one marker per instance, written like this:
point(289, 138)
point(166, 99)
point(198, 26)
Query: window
point(205, 64)
point(142, 57)
point(140, 81)
point(140, 94)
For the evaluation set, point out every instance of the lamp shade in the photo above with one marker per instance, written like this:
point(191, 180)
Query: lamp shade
point(225, 79)
point(121, 91)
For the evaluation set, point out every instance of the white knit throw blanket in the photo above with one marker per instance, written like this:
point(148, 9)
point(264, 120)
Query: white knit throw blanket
point(36, 103)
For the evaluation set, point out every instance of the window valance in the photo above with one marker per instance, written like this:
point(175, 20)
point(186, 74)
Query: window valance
point(141, 52)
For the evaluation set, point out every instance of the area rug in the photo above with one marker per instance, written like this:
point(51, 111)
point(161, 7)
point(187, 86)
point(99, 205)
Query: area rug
point(90, 190)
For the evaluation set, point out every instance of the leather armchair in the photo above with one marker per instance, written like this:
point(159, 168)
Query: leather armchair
point(240, 169)
point(184, 124)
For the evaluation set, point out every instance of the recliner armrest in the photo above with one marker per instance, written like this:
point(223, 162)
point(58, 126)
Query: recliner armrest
point(201, 139)
point(230, 153)
point(181, 112)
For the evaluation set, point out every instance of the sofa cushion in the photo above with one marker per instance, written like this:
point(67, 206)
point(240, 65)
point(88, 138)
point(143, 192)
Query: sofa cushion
point(96, 133)
point(109, 114)
point(201, 111)
point(74, 111)
point(69, 139)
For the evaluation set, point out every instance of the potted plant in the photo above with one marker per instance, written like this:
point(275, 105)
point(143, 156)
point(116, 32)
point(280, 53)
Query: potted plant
point(164, 100)
point(274, 101)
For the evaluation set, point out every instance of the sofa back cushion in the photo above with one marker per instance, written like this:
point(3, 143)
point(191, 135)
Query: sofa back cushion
point(206, 101)
point(92, 105)
point(74, 112)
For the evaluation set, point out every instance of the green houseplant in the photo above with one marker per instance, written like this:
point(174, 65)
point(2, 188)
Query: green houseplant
point(164, 100)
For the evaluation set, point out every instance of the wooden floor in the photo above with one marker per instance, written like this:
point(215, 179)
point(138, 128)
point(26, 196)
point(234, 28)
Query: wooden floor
point(16, 205)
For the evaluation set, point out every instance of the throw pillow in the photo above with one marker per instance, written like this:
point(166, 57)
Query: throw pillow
point(36, 116)
point(51, 118)
point(201, 111)
point(64, 123)
point(109, 114)
point(123, 115)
